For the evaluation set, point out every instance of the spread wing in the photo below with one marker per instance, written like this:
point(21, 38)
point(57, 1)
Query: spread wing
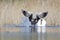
point(44, 14)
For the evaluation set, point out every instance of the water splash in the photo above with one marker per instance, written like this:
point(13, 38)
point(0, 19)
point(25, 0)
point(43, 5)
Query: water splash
point(25, 22)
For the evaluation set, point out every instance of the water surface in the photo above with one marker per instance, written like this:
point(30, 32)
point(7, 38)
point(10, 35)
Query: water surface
point(29, 36)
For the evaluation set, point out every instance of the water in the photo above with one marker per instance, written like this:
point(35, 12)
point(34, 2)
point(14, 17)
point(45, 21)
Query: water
point(24, 35)
point(29, 36)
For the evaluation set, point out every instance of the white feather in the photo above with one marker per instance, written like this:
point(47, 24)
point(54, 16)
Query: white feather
point(41, 27)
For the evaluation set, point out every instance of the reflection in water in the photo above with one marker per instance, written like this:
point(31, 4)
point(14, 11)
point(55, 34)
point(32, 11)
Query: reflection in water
point(29, 36)
point(42, 36)
point(23, 36)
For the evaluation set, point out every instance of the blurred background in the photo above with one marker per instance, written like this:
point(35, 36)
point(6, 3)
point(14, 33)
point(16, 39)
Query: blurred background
point(11, 18)
point(10, 10)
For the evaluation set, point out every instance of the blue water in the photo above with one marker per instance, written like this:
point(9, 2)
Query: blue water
point(29, 36)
